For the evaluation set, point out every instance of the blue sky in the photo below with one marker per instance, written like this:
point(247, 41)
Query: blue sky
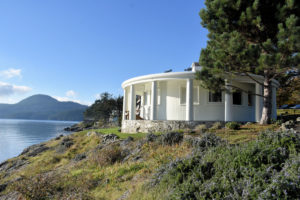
point(76, 49)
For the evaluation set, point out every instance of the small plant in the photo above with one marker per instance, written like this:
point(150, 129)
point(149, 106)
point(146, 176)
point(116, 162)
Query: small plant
point(39, 187)
point(279, 122)
point(206, 141)
point(171, 138)
point(216, 126)
point(233, 125)
point(108, 156)
point(202, 128)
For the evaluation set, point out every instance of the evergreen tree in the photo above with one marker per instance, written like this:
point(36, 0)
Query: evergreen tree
point(104, 108)
point(251, 37)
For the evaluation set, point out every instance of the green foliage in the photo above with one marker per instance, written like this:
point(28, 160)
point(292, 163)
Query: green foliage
point(267, 168)
point(105, 108)
point(216, 126)
point(249, 37)
point(202, 128)
point(233, 125)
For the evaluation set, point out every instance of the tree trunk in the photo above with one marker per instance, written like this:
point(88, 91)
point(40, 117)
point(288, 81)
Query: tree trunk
point(267, 105)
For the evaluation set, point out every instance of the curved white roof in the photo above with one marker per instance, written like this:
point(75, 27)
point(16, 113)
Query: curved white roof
point(187, 75)
point(160, 76)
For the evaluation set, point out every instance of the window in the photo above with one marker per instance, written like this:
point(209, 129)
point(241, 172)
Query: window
point(215, 97)
point(237, 98)
point(182, 95)
point(250, 103)
point(196, 95)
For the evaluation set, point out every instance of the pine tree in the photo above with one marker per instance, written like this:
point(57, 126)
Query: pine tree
point(251, 37)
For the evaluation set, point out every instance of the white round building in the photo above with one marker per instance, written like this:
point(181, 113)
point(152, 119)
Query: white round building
point(175, 100)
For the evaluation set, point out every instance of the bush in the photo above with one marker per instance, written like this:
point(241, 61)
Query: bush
point(201, 128)
point(267, 168)
point(206, 141)
point(151, 137)
point(216, 126)
point(171, 138)
point(233, 125)
point(108, 155)
point(39, 187)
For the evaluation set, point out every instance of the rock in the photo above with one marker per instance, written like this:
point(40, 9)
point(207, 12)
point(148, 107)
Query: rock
point(287, 125)
point(248, 123)
point(34, 150)
point(59, 137)
point(126, 141)
point(79, 157)
point(109, 138)
point(151, 137)
point(8, 167)
point(12, 196)
point(66, 143)
point(3, 187)
point(92, 133)
point(124, 196)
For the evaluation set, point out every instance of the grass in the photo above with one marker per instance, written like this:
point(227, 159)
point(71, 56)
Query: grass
point(245, 134)
point(288, 111)
point(113, 180)
point(116, 131)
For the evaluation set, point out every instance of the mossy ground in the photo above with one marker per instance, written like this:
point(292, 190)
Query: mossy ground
point(112, 181)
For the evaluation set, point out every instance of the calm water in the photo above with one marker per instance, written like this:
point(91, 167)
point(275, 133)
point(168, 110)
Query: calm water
point(15, 135)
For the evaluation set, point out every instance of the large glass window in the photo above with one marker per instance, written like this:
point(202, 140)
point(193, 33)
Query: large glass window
point(182, 95)
point(237, 98)
point(215, 96)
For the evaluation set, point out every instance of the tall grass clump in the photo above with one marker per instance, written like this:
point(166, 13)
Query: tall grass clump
point(267, 168)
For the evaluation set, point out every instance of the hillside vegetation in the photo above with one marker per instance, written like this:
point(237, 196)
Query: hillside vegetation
point(106, 164)
point(43, 107)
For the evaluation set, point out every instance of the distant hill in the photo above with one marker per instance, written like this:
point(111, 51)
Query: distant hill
point(43, 107)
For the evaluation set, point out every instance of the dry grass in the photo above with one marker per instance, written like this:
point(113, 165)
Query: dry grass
point(288, 111)
point(101, 175)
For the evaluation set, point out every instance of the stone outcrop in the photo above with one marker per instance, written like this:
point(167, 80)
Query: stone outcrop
point(152, 126)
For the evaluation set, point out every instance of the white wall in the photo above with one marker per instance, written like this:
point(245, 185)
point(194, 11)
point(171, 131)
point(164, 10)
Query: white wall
point(169, 107)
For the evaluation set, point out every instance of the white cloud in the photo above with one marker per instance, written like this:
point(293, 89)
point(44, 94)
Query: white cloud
point(71, 94)
point(7, 89)
point(10, 73)
point(66, 99)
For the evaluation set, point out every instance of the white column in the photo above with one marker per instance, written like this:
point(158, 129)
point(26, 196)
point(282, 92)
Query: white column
point(132, 103)
point(274, 106)
point(153, 100)
point(124, 104)
point(189, 100)
point(228, 102)
point(258, 102)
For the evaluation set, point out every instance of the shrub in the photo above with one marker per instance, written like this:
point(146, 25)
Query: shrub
point(206, 141)
point(216, 126)
point(151, 137)
point(108, 155)
point(171, 138)
point(53, 186)
point(201, 128)
point(233, 125)
point(267, 168)
point(39, 187)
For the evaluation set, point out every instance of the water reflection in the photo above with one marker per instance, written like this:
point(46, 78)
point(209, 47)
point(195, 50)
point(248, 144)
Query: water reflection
point(15, 135)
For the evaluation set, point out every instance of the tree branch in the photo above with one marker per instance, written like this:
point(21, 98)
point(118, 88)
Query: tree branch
point(254, 79)
point(246, 91)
